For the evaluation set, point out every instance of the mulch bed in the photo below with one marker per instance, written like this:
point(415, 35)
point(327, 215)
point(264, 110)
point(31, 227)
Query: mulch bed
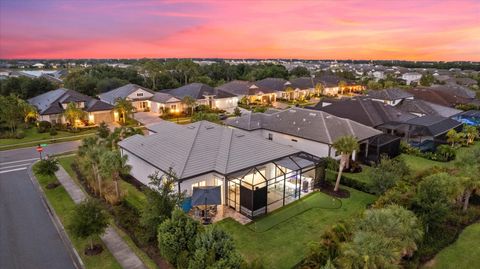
point(97, 249)
point(327, 188)
point(52, 185)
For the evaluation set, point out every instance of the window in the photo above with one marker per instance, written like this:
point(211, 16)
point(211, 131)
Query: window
point(173, 107)
point(139, 94)
point(294, 140)
point(270, 136)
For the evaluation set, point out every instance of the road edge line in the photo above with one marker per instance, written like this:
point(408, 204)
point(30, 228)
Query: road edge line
point(77, 261)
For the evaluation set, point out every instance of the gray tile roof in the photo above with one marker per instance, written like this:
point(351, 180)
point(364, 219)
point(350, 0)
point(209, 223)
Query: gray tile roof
point(203, 147)
point(389, 94)
point(366, 111)
point(304, 123)
point(162, 97)
point(51, 102)
point(273, 84)
point(427, 108)
point(121, 92)
point(241, 87)
point(198, 91)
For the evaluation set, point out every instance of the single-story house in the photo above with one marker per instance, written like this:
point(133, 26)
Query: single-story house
point(206, 95)
point(143, 99)
point(255, 175)
point(249, 90)
point(443, 97)
point(276, 85)
point(51, 106)
point(304, 129)
point(411, 77)
point(390, 96)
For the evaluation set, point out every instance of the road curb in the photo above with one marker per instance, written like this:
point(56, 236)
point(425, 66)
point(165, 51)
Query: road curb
point(77, 261)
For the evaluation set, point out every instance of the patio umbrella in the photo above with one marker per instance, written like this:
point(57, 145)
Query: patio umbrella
point(208, 195)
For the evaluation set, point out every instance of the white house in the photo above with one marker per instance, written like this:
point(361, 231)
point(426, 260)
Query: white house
point(411, 77)
point(390, 96)
point(206, 95)
point(307, 130)
point(255, 175)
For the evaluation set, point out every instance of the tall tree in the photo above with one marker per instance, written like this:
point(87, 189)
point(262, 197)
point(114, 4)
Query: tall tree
point(73, 113)
point(91, 151)
point(471, 133)
point(153, 70)
point(341, 85)
point(469, 168)
point(189, 102)
point(11, 111)
point(346, 145)
point(112, 165)
point(124, 107)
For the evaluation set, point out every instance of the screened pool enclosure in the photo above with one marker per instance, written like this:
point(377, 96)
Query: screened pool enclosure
point(261, 189)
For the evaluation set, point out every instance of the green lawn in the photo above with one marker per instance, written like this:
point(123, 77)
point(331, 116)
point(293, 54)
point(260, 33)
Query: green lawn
point(282, 237)
point(32, 138)
point(133, 196)
point(463, 254)
point(64, 208)
point(182, 120)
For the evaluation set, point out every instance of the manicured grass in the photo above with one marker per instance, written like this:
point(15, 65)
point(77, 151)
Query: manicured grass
point(32, 138)
point(464, 253)
point(418, 164)
point(133, 196)
point(183, 120)
point(285, 243)
point(64, 208)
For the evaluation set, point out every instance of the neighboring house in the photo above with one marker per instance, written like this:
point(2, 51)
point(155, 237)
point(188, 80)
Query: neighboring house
point(423, 108)
point(391, 96)
point(411, 77)
point(378, 75)
point(255, 176)
point(304, 129)
point(206, 95)
point(249, 90)
point(427, 132)
point(51, 106)
point(331, 86)
point(143, 99)
point(276, 85)
point(444, 97)
point(305, 85)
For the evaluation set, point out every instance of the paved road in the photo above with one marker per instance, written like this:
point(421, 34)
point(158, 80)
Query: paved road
point(28, 236)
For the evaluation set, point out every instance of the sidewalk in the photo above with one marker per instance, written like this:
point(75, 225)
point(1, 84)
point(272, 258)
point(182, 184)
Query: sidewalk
point(115, 244)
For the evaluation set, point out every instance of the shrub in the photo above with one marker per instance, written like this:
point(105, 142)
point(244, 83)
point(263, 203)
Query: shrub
point(53, 131)
point(47, 166)
point(332, 164)
point(43, 126)
point(445, 153)
point(20, 134)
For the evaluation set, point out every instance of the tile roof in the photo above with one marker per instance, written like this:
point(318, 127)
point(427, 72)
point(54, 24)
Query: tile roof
point(162, 97)
point(389, 94)
point(198, 91)
point(305, 123)
point(121, 92)
point(441, 97)
point(365, 111)
point(274, 84)
point(241, 87)
point(436, 125)
point(51, 102)
point(426, 108)
point(203, 147)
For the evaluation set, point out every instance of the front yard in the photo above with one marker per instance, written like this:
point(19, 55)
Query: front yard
point(280, 239)
point(33, 138)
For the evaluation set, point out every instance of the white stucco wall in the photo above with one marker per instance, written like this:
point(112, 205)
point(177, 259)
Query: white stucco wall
point(133, 95)
point(228, 104)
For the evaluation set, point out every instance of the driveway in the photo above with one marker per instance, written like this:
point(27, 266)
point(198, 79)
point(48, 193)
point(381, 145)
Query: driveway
point(28, 235)
point(147, 118)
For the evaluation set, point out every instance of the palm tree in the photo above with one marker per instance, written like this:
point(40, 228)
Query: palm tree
point(471, 132)
point(342, 85)
point(189, 102)
point(153, 68)
point(319, 88)
point(346, 145)
point(124, 107)
point(29, 111)
point(289, 91)
point(469, 165)
point(73, 113)
point(112, 165)
point(91, 150)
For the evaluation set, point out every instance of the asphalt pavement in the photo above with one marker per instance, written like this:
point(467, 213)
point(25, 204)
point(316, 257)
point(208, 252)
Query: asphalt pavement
point(28, 235)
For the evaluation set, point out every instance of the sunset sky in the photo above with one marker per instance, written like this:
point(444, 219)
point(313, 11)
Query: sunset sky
point(343, 29)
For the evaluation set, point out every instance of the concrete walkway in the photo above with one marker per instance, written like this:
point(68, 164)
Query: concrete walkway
point(115, 244)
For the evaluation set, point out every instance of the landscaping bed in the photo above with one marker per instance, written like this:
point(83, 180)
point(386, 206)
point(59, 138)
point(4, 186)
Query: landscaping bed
point(64, 208)
point(280, 238)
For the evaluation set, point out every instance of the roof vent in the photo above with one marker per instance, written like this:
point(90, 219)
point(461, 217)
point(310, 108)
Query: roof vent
point(239, 135)
point(209, 127)
point(191, 127)
point(292, 111)
point(312, 114)
point(294, 123)
point(328, 116)
point(304, 119)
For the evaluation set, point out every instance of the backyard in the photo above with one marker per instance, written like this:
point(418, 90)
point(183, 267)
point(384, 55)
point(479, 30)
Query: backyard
point(462, 254)
point(281, 238)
